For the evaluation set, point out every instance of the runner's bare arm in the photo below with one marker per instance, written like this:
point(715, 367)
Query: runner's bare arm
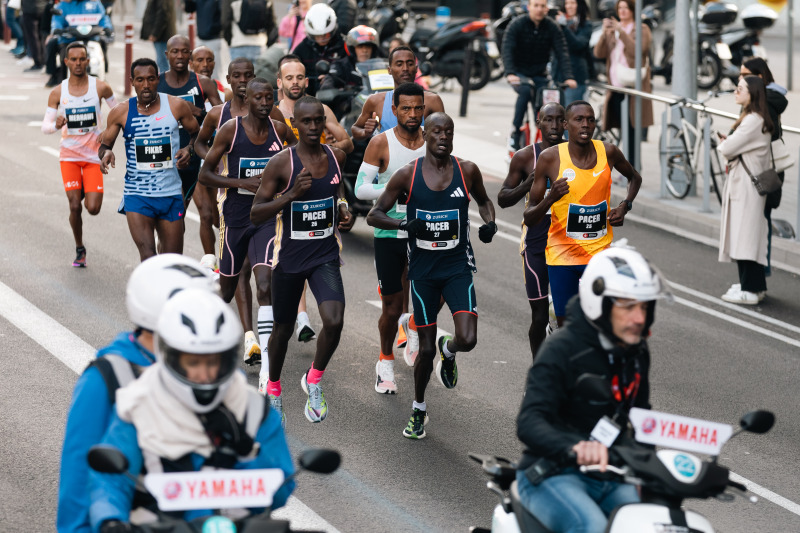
point(276, 114)
point(285, 132)
point(342, 140)
point(184, 115)
point(363, 127)
point(546, 167)
point(207, 130)
point(114, 124)
point(399, 183)
point(208, 172)
point(274, 179)
point(210, 89)
point(105, 92)
point(433, 103)
point(477, 190)
point(346, 220)
point(517, 183)
point(617, 160)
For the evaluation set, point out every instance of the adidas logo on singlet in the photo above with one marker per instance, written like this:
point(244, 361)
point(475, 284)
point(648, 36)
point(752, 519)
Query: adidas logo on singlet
point(275, 146)
point(458, 193)
point(335, 179)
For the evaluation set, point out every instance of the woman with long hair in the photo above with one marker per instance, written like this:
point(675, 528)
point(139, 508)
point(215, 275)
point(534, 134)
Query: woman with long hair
point(577, 32)
point(743, 229)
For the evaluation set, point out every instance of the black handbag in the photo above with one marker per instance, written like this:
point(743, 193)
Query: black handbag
point(767, 181)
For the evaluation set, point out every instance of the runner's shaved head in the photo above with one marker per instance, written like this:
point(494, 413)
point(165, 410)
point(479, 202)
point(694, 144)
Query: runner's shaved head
point(256, 84)
point(177, 41)
point(552, 108)
point(240, 61)
point(202, 50)
point(438, 118)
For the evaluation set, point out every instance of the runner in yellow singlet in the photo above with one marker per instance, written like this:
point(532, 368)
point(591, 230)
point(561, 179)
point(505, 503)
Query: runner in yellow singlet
point(581, 219)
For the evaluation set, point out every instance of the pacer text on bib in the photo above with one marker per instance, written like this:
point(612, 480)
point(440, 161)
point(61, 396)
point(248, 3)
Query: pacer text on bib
point(80, 120)
point(153, 153)
point(312, 219)
point(441, 230)
point(251, 167)
point(587, 222)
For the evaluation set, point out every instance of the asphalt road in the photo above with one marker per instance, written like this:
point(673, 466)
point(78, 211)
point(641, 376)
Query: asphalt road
point(710, 360)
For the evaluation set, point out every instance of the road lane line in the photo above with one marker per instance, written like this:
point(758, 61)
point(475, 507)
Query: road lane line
point(14, 97)
point(76, 354)
point(767, 494)
point(50, 150)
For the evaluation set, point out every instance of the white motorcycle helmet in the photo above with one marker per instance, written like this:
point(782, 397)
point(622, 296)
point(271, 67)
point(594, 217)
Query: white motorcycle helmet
point(156, 279)
point(197, 322)
point(320, 19)
point(619, 272)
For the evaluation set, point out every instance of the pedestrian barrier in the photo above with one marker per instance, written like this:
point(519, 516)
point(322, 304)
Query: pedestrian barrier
point(666, 120)
point(128, 57)
point(190, 22)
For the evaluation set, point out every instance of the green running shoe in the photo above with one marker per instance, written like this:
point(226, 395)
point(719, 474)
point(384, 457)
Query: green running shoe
point(316, 406)
point(446, 368)
point(416, 425)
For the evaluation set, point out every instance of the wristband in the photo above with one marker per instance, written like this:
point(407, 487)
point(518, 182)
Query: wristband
point(341, 201)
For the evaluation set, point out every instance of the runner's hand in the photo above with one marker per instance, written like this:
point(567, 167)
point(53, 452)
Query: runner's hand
point(412, 227)
point(487, 231)
point(250, 184)
point(346, 219)
point(559, 188)
point(372, 124)
point(302, 183)
point(60, 121)
point(182, 158)
point(108, 160)
point(196, 111)
point(616, 216)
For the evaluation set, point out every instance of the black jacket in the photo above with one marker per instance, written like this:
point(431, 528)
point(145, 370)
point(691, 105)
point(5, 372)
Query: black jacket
point(553, 418)
point(526, 47)
point(208, 18)
point(776, 105)
point(310, 52)
point(158, 20)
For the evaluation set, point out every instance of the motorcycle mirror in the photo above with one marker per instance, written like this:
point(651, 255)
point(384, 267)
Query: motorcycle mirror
point(320, 460)
point(425, 68)
point(323, 67)
point(107, 460)
point(594, 388)
point(757, 421)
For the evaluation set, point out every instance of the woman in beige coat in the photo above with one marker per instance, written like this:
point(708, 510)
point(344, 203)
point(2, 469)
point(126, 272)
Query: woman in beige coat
point(617, 45)
point(743, 230)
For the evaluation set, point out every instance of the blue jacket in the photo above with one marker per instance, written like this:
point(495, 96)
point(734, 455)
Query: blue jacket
point(78, 7)
point(87, 420)
point(112, 494)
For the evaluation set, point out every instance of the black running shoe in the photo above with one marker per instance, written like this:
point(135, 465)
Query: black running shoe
point(80, 259)
point(446, 368)
point(416, 425)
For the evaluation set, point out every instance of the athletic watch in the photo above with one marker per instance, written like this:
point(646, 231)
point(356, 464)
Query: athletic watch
point(628, 205)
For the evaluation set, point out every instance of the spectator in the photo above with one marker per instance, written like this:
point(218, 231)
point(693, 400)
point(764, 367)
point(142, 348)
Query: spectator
point(776, 105)
point(527, 44)
point(292, 27)
point(617, 45)
point(13, 16)
point(158, 25)
point(208, 18)
point(577, 32)
point(323, 41)
point(743, 230)
point(32, 13)
point(248, 27)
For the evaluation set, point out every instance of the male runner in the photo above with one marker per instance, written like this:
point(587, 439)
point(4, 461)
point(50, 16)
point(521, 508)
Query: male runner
point(534, 240)
point(300, 187)
point(151, 198)
point(440, 257)
point(79, 121)
point(203, 62)
point(386, 153)
point(181, 82)
point(579, 172)
point(245, 145)
point(377, 111)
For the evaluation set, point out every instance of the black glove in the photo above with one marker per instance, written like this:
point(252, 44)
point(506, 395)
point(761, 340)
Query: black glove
point(487, 231)
point(412, 227)
point(115, 526)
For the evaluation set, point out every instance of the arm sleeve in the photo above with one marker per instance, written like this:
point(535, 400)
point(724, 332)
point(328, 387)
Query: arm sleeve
point(112, 102)
point(366, 188)
point(86, 423)
point(49, 120)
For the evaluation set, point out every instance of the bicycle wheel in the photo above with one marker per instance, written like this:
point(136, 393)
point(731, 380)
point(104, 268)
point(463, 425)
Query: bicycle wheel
point(675, 157)
point(718, 174)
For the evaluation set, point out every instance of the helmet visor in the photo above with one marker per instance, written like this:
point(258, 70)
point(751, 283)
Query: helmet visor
point(200, 371)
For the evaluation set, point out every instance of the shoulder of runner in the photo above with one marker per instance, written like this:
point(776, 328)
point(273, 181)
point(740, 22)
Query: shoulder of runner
point(377, 151)
point(55, 97)
point(433, 103)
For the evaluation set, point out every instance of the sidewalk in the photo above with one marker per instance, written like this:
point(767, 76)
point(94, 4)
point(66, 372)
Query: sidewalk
point(482, 135)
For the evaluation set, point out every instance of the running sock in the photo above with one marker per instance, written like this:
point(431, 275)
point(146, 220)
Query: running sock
point(265, 323)
point(385, 357)
point(314, 375)
point(421, 406)
point(302, 318)
point(411, 324)
point(274, 387)
point(446, 351)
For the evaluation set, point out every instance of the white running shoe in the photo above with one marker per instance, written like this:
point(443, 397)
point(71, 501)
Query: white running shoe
point(402, 328)
point(412, 347)
point(737, 287)
point(385, 383)
point(252, 351)
point(262, 385)
point(305, 332)
point(316, 406)
point(741, 297)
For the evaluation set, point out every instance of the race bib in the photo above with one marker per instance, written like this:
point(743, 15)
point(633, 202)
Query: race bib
point(380, 80)
point(80, 120)
point(153, 153)
point(312, 219)
point(587, 222)
point(250, 167)
point(441, 230)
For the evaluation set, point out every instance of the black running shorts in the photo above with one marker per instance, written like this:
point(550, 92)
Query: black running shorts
point(325, 282)
point(458, 292)
point(391, 258)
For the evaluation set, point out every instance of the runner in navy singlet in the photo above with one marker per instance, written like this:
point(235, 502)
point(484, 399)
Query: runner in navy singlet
point(551, 121)
point(303, 187)
point(440, 258)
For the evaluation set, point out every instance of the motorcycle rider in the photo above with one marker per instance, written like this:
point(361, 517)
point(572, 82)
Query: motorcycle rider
point(605, 334)
point(73, 13)
point(149, 287)
point(361, 44)
point(322, 41)
point(191, 410)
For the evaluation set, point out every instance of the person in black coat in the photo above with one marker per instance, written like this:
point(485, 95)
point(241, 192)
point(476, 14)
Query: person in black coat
point(32, 14)
point(577, 32)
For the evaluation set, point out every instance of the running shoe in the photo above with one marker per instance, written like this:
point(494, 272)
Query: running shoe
point(416, 425)
point(402, 327)
point(262, 385)
point(741, 297)
point(252, 351)
point(446, 368)
point(385, 383)
point(80, 258)
point(412, 347)
point(316, 406)
point(26, 61)
point(209, 261)
point(276, 402)
point(305, 332)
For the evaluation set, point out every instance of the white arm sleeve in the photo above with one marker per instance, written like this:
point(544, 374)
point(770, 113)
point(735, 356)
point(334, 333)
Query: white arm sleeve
point(111, 101)
point(366, 188)
point(49, 121)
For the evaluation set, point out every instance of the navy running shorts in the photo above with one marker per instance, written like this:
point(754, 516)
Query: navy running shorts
point(391, 258)
point(534, 266)
point(254, 242)
point(325, 282)
point(564, 280)
point(458, 292)
point(168, 208)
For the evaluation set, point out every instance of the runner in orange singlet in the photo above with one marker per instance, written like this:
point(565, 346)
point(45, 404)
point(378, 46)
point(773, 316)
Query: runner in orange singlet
point(581, 218)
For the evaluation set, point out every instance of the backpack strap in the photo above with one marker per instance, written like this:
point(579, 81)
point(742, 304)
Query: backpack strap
point(116, 372)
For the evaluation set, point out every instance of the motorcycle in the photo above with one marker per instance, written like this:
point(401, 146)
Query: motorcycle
point(229, 489)
point(666, 476)
point(86, 29)
point(389, 18)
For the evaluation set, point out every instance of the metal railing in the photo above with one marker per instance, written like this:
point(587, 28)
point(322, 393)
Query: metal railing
point(666, 120)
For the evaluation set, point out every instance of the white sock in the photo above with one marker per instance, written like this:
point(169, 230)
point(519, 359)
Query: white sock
point(265, 323)
point(421, 406)
point(302, 318)
point(447, 353)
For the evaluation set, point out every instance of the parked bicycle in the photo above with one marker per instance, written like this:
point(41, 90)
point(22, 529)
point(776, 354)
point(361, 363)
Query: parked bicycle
point(682, 154)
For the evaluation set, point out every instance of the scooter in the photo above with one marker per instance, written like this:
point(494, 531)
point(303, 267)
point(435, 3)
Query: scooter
point(86, 29)
point(229, 489)
point(389, 18)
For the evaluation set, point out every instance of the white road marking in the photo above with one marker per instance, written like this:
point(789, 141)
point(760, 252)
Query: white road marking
point(35, 123)
point(439, 331)
point(75, 353)
point(501, 223)
point(50, 150)
point(14, 97)
point(767, 494)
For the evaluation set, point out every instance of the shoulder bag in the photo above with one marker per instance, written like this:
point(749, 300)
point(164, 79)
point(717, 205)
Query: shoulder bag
point(783, 160)
point(767, 181)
